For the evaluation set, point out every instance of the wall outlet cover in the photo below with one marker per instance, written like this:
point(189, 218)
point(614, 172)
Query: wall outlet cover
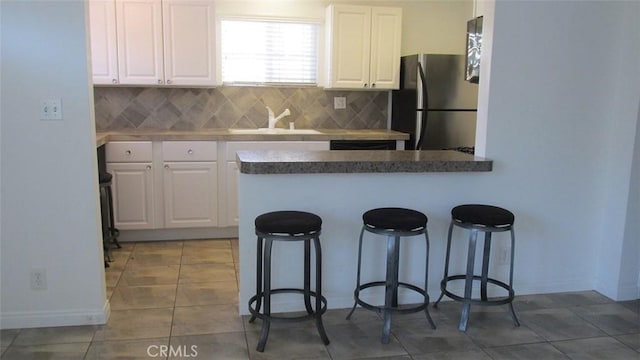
point(339, 102)
point(39, 279)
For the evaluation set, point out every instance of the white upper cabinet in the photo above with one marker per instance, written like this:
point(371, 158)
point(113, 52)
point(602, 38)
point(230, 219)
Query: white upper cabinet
point(139, 28)
point(386, 36)
point(189, 42)
point(155, 42)
point(102, 19)
point(363, 47)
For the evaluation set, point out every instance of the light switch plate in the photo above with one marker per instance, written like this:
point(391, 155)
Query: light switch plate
point(339, 102)
point(51, 109)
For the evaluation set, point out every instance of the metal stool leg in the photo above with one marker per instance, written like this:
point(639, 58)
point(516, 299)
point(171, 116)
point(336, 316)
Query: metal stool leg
point(307, 277)
point(104, 211)
point(513, 245)
point(426, 283)
point(266, 321)
point(443, 283)
point(391, 286)
point(318, 312)
point(485, 266)
point(112, 220)
point(357, 290)
point(468, 285)
point(258, 279)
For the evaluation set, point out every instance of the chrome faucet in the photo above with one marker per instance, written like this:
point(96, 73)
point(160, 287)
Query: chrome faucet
point(273, 120)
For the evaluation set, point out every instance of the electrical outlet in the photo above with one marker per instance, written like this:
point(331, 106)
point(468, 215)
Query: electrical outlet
point(39, 279)
point(339, 102)
point(503, 256)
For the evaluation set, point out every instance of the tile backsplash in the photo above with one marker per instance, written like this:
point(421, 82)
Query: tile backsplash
point(151, 108)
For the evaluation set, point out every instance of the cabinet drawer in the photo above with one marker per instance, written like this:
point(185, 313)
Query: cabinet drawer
point(129, 151)
point(189, 151)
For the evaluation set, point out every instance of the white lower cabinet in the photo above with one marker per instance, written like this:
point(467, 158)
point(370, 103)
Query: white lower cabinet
point(183, 180)
point(190, 194)
point(133, 199)
point(190, 182)
point(130, 164)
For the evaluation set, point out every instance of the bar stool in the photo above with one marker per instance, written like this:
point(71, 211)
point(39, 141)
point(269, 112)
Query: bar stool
point(287, 226)
point(394, 223)
point(109, 231)
point(487, 219)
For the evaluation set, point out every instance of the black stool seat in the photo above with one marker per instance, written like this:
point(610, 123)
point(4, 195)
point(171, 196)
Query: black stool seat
point(104, 178)
point(397, 219)
point(288, 222)
point(482, 215)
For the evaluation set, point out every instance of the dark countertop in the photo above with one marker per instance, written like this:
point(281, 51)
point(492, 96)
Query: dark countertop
point(278, 134)
point(359, 161)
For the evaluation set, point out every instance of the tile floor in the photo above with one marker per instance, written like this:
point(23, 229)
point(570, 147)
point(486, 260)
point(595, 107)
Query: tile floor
point(184, 294)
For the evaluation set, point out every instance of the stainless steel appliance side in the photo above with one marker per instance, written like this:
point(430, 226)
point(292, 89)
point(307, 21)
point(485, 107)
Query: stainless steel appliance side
point(452, 102)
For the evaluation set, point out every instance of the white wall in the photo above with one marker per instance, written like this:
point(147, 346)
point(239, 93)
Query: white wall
point(629, 283)
point(49, 195)
point(617, 274)
point(559, 116)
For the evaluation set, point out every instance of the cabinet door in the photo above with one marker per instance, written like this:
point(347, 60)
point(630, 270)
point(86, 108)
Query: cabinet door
point(190, 194)
point(349, 46)
point(232, 193)
point(139, 30)
point(386, 33)
point(104, 56)
point(189, 42)
point(132, 188)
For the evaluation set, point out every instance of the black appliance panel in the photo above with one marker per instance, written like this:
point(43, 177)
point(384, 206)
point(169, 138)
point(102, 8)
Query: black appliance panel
point(362, 145)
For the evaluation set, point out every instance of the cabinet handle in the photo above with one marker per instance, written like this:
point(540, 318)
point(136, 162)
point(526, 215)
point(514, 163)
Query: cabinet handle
point(128, 152)
point(148, 167)
point(365, 84)
point(166, 166)
point(190, 151)
point(168, 81)
point(114, 81)
point(373, 85)
point(159, 82)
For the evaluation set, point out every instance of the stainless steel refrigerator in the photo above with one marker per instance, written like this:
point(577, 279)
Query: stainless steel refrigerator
point(435, 104)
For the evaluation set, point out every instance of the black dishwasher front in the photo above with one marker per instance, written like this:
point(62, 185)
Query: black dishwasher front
point(362, 145)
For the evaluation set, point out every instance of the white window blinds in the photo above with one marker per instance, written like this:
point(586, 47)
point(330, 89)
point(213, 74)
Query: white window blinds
point(269, 52)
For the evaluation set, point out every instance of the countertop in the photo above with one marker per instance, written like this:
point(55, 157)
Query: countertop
point(358, 161)
point(278, 134)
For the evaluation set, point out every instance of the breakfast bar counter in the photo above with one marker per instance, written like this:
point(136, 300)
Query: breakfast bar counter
point(357, 161)
point(339, 186)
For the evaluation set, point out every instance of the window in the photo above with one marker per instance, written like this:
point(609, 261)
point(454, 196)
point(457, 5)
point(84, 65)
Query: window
point(269, 52)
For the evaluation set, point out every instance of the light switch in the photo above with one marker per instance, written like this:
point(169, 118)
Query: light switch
point(339, 102)
point(51, 109)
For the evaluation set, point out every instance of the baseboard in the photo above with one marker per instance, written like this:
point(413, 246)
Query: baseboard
point(287, 303)
point(37, 319)
point(178, 234)
point(629, 291)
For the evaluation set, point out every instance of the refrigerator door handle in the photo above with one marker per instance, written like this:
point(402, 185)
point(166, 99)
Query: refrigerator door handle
point(425, 107)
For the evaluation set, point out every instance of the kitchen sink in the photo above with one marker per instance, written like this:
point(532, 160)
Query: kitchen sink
point(276, 131)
